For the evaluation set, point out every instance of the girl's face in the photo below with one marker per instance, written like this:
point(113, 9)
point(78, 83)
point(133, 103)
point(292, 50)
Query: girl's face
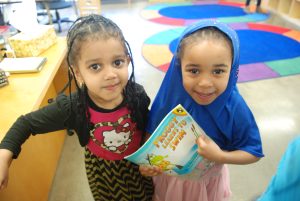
point(206, 69)
point(103, 67)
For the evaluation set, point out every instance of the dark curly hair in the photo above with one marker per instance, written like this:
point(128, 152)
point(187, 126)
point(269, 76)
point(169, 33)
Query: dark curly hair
point(99, 27)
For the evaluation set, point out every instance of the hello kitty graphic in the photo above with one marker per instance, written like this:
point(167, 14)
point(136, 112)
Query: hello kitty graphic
point(113, 136)
point(114, 141)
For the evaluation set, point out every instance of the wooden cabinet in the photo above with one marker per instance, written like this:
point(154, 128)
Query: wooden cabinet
point(290, 8)
point(295, 9)
point(31, 175)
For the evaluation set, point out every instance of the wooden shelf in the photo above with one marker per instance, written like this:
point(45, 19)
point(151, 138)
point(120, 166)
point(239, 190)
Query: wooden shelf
point(31, 175)
point(287, 7)
point(295, 9)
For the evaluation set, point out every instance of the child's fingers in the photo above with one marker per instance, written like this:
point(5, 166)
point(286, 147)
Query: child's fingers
point(3, 185)
point(153, 172)
point(150, 170)
point(200, 140)
point(142, 167)
point(199, 143)
point(204, 138)
point(157, 170)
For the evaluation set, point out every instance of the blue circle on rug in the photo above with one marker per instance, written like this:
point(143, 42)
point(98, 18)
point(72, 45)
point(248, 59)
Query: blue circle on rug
point(264, 46)
point(201, 11)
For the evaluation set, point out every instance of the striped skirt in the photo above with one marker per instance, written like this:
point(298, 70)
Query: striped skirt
point(116, 180)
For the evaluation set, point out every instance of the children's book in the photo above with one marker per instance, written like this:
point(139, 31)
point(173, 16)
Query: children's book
point(172, 146)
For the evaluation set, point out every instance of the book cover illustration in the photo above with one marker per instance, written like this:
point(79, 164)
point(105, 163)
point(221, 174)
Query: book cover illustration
point(172, 146)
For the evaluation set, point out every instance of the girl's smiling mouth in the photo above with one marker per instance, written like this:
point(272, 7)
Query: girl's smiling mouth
point(112, 86)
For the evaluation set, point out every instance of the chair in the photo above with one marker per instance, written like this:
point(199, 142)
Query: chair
point(87, 7)
point(55, 5)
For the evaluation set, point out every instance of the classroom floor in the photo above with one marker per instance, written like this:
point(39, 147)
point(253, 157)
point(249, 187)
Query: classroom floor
point(274, 102)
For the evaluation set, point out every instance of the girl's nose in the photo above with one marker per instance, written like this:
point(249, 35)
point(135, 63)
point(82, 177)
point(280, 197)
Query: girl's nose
point(110, 73)
point(204, 81)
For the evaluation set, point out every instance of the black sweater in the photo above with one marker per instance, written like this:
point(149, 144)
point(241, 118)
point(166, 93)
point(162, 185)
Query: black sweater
point(60, 114)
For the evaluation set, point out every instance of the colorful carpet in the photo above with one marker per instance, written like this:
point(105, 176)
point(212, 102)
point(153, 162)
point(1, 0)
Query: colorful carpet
point(183, 14)
point(266, 51)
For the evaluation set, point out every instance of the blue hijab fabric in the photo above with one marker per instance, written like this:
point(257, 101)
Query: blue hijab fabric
point(285, 185)
point(227, 120)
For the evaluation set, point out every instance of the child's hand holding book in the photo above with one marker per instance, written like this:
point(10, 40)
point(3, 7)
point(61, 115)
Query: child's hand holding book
point(150, 171)
point(208, 149)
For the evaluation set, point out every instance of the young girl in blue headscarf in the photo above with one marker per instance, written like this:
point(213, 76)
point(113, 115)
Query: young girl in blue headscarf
point(202, 77)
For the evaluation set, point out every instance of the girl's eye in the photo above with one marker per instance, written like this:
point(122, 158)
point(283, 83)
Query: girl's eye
point(194, 71)
point(119, 63)
point(218, 71)
point(95, 67)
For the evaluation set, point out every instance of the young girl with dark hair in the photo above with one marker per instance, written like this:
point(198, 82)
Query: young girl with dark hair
point(108, 112)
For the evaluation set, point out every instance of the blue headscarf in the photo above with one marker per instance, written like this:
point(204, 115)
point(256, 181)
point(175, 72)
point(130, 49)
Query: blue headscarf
point(285, 184)
point(227, 120)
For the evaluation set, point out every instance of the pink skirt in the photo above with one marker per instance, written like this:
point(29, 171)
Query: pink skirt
point(214, 185)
